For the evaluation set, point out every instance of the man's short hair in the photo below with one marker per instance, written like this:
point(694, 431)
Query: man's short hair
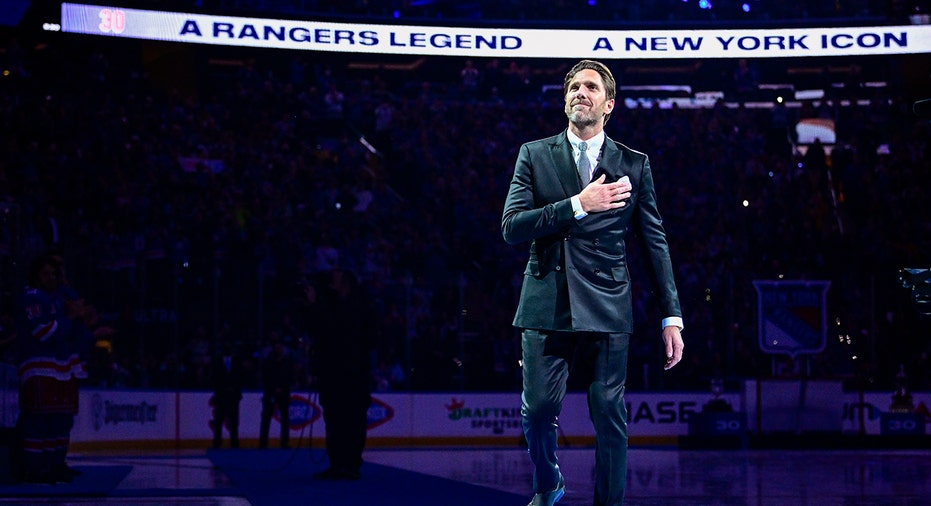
point(35, 268)
point(606, 77)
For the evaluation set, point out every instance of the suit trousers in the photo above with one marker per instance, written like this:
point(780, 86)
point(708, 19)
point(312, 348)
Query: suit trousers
point(345, 410)
point(270, 400)
point(225, 411)
point(547, 359)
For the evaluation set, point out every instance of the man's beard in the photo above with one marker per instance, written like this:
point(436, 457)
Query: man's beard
point(582, 118)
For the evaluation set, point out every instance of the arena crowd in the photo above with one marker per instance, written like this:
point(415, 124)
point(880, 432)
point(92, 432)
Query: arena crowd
point(194, 193)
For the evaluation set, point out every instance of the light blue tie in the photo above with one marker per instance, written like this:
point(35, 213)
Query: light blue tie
point(585, 165)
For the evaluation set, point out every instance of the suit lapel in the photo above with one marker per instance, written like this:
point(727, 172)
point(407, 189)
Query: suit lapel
point(609, 163)
point(564, 165)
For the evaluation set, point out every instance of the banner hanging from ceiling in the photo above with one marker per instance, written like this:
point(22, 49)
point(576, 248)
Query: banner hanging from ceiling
point(491, 42)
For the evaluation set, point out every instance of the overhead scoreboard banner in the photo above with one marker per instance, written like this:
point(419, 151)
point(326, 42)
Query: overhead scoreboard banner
point(491, 42)
point(792, 316)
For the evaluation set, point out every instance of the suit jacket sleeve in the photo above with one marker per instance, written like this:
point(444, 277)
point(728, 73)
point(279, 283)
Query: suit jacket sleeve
point(522, 221)
point(653, 244)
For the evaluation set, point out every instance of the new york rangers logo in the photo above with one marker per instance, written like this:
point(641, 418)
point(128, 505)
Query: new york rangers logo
point(379, 413)
point(302, 412)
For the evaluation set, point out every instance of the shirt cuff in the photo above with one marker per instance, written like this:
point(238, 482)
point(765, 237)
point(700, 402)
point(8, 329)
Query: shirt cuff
point(675, 321)
point(577, 211)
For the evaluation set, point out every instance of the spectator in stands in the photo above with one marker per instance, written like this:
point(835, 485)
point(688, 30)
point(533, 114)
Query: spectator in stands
point(469, 78)
point(746, 80)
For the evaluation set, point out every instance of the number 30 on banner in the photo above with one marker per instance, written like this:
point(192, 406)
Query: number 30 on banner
point(112, 21)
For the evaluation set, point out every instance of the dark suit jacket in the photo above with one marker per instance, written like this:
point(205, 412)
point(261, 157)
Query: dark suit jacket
point(577, 276)
point(227, 384)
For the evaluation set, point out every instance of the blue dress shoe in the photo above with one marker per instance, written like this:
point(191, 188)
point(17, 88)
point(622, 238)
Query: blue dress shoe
point(552, 497)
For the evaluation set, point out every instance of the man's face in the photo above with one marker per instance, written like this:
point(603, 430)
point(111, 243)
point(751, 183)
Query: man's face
point(48, 278)
point(586, 99)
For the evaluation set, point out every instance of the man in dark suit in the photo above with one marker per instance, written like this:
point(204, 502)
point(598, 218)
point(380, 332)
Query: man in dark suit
point(227, 376)
point(339, 308)
point(277, 378)
point(575, 196)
